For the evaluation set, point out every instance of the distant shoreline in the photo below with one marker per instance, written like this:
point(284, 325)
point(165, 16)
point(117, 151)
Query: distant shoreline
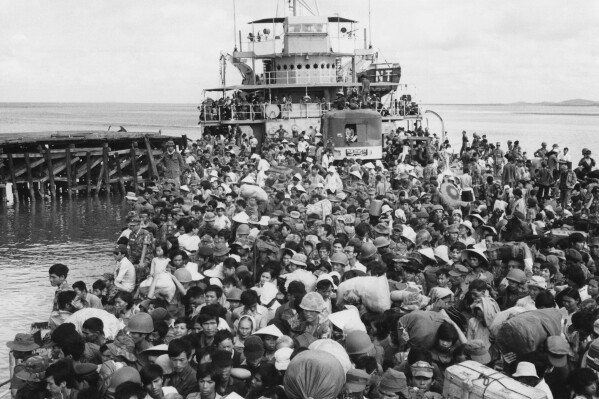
point(567, 103)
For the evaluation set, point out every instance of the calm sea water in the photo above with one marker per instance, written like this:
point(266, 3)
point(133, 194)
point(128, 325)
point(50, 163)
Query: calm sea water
point(81, 232)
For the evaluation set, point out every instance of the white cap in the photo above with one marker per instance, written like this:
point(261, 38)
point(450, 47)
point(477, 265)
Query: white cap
point(525, 369)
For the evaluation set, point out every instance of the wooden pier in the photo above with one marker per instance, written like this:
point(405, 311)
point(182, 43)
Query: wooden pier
point(44, 165)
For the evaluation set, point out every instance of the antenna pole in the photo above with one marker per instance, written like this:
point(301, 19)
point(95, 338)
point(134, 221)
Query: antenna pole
point(369, 25)
point(235, 27)
point(294, 8)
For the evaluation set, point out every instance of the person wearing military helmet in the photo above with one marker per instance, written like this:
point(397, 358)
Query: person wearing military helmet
point(516, 288)
point(140, 327)
point(308, 324)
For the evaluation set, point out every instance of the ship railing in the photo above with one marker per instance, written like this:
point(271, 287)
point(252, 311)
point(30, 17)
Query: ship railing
point(301, 76)
point(265, 111)
point(255, 112)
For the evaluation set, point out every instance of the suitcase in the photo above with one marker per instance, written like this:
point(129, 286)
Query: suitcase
point(472, 380)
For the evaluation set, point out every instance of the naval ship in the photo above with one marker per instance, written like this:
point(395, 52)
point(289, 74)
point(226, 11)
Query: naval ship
point(305, 74)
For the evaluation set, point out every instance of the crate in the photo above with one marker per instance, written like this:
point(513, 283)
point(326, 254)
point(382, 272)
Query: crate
point(472, 380)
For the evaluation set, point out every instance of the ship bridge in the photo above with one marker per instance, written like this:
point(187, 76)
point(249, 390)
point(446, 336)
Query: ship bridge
point(299, 50)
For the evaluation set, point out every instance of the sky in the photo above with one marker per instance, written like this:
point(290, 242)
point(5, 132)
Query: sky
point(460, 51)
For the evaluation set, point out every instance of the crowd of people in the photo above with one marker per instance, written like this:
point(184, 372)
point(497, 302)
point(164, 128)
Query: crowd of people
point(253, 106)
point(273, 272)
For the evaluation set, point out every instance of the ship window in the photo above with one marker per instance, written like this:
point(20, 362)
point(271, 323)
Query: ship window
point(278, 67)
point(351, 133)
point(313, 28)
point(307, 66)
point(315, 66)
point(285, 67)
point(299, 66)
point(291, 67)
point(294, 28)
point(321, 66)
point(328, 66)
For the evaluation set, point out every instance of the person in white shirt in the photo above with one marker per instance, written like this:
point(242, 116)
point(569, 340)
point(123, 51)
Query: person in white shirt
point(353, 263)
point(332, 181)
point(327, 159)
point(189, 241)
point(565, 156)
point(124, 272)
point(221, 221)
point(261, 178)
point(302, 147)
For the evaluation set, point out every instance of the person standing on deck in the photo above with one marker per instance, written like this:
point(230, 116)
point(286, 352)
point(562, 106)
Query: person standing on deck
point(509, 172)
point(365, 88)
point(498, 158)
point(173, 164)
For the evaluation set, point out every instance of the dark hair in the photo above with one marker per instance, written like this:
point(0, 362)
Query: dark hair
point(376, 268)
point(79, 285)
point(222, 335)
point(270, 376)
point(581, 378)
point(583, 321)
point(178, 346)
point(126, 297)
point(99, 285)
point(442, 272)
point(161, 327)
point(183, 320)
point(65, 298)
point(210, 312)
point(205, 370)
point(177, 252)
point(94, 324)
point(569, 292)
point(544, 300)
point(417, 353)
point(366, 363)
point(230, 263)
point(447, 332)
point(194, 292)
point(249, 298)
point(59, 269)
point(478, 285)
point(549, 266)
point(129, 389)
point(74, 346)
point(216, 289)
point(61, 371)
point(577, 276)
point(150, 372)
